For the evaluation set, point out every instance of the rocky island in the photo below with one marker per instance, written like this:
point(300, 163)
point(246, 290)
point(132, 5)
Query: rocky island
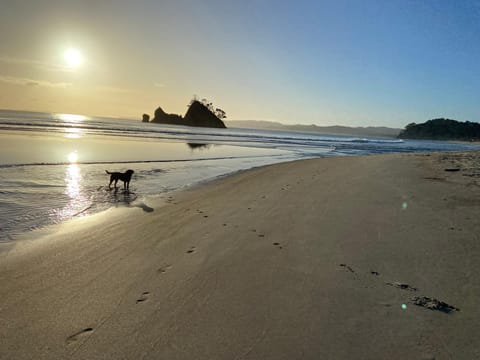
point(200, 113)
point(442, 129)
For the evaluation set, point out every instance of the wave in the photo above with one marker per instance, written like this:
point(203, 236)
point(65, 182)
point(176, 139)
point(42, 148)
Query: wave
point(301, 144)
point(172, 132)
point(6, 166)
point(374, 141)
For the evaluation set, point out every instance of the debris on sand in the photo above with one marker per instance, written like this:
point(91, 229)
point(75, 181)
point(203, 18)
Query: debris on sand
point(433, 304)
point(402, 286)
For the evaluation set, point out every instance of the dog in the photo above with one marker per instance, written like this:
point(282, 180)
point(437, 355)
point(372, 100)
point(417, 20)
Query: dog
point(125, 177)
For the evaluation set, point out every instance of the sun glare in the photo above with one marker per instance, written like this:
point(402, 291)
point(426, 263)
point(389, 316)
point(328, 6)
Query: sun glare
point(73, 157)
point(73, 57)
point(71, 117)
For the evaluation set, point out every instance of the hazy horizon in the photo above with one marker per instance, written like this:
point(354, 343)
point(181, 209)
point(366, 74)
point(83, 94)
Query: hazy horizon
point(350, 63)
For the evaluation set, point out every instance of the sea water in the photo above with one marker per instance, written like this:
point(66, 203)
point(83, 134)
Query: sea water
point(52, 166)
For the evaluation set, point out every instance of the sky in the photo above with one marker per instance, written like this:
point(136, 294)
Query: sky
point(345, 62)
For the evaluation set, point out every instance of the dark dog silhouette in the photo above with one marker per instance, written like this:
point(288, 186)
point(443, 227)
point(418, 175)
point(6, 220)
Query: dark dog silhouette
point(125, 177)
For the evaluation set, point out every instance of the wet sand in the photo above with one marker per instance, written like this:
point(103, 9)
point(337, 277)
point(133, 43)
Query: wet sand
point(317, 259)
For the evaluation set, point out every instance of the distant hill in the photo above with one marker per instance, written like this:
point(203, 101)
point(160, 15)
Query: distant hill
point(200, 114)
point(342, 130)
point(442, 129)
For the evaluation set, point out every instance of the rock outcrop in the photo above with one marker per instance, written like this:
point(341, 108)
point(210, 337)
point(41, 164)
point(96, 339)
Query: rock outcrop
point(162, 117)
point(197, 115)
point(145, 118)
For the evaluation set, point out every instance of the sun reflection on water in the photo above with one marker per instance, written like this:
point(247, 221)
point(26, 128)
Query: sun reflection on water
point(74, 133)
point(71, 118)
point(75, 201)
point(73, 181)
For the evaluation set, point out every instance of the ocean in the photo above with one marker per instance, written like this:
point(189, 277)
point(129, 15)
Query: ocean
point(52, 166)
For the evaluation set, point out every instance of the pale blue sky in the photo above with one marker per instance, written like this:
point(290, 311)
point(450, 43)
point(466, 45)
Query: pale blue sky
point(350, 62)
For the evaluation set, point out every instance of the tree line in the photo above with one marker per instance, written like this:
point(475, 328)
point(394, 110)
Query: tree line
point(209, 105)
point(442, 129)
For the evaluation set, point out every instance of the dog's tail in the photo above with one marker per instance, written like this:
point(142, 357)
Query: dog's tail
point(107, 172)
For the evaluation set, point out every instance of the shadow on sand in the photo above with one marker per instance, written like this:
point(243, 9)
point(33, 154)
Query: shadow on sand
point(128, 198)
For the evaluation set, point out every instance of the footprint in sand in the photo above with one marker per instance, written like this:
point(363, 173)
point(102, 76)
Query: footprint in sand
point(79, 335)
point(347, 267)
point(383, 303)
point(191, 250)
point(278, 244)
point(163, 269)
point(259, 235)
point(144, 297)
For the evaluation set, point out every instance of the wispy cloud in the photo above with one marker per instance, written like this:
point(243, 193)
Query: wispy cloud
point(113, 89)
point(32, 82)
point(35, 63)
point(11, 60)
point(159, 85)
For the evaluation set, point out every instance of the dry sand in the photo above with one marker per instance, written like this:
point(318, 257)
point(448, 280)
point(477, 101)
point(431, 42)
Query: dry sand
point(304, 260)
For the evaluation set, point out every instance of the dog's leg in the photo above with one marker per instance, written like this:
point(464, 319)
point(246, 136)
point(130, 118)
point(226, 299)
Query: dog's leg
point(110, 184)
point(116, 180)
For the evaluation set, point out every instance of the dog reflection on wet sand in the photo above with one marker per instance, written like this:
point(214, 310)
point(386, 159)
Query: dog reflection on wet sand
point(125, 177)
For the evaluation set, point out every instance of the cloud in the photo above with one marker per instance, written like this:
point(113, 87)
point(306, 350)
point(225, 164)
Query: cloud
point(35, 63)
point(159, 85)
point(31, 82)
point(113, 89)
point(10, 60)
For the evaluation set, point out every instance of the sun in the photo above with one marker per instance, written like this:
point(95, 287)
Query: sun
point(73, 157)
point(73, 57)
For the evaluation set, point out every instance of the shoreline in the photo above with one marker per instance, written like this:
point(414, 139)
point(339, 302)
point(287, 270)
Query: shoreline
point(162, 199)
point(297, 259)
point(36, 196)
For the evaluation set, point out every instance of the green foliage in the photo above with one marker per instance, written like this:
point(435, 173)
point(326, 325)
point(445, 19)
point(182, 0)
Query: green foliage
point(442, 129)
point(220, 113)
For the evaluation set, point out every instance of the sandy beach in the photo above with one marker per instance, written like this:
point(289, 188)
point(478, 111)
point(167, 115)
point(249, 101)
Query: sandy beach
point(312, 259)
